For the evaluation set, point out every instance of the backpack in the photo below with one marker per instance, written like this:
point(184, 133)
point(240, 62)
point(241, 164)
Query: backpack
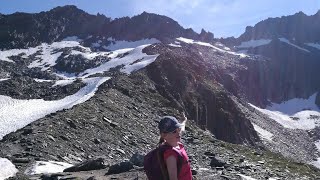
point(155, 166)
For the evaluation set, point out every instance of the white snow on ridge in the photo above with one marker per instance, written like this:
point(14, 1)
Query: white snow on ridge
point(295, 105)
point(316, 163)
point(4, 79)
point(47, 58)
point(89, 55)
point(63, 82)
point(40, 167)
point(292, 114)
point(174, 45)
point(254, 43)
point(191, 41)
point(4, 55)
point(288, 42)
point(7, 169)
point(315, 45)
point(31, 110)
point(243, 177)
point(41, 80)
point(115, 45)
point(264, 134)
point(135, 60)
point(317, 143)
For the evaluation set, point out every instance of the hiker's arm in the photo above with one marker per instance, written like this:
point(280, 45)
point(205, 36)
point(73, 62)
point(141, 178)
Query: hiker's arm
point(171, 162)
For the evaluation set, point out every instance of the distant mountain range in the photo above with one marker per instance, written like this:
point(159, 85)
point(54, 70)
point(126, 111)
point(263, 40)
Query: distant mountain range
point(76, 86)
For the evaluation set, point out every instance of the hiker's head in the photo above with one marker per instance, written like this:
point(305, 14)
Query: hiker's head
point(170, 129)
point(168, 124)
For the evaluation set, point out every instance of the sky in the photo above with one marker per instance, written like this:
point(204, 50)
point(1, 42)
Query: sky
point(224, 18)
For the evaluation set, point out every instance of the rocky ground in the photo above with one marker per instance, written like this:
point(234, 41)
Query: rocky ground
point(118, 122)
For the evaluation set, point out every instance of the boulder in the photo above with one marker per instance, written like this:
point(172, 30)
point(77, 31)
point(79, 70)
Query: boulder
point(92, 164)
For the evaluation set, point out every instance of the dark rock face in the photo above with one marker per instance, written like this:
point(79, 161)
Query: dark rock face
point(190, 88)
point(299, 26)
point(24, 30)
point(288, 73)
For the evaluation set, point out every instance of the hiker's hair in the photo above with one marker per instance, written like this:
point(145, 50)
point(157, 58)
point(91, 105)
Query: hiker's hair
point(161, 140)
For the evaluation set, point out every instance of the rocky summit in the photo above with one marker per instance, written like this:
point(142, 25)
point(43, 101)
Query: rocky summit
point(81, 96)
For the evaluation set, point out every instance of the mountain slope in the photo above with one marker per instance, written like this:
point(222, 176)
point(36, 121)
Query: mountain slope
point(95, 92)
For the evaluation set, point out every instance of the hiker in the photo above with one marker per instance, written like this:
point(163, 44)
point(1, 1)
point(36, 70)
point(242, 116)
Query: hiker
point(175, 157)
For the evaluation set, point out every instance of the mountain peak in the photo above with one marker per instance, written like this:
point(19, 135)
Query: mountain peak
point(298, 26)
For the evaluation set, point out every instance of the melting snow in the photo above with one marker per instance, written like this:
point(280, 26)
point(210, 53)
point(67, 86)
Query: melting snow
point(264, 134)
point(295, 114)
point(7, 169)
point(63, 82)
point(89, 55)
point(31, 110)
point(115, 45)
point(254, 43)
point(243, 177)
point(40, 167)
point(47, 57)
point(4, 55)
point(288, 42)
point(132, 62)
point(41, 80)
point(317, 143)
point(191, 41)
point(315, 45)
point(174, 45)
point(4, 79)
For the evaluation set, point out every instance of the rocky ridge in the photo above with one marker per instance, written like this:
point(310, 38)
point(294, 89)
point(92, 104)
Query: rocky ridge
point(210, 83)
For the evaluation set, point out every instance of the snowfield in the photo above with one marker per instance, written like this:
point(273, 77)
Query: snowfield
point(132, 59)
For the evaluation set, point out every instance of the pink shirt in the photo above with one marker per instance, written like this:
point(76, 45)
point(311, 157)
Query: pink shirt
point(185, 171)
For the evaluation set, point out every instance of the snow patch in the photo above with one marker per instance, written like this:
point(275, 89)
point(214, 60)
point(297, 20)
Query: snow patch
point(47, 58)
point(315, 45)
point(42, 167)
point(63, 82)
point(243, 177)
point(254, 43)
point(133, 61)
point(5, 55)
point(264, 134)
point(288, 42)
point(33, 109)
point(317, 143)
point(89, 55)
point(174, 45)
point(316, 163)
point(191, 41)
point(115, 45)
point(294, 114)
point(295, 105)
point(4, 79)
point(7, 169)
point(42, 80)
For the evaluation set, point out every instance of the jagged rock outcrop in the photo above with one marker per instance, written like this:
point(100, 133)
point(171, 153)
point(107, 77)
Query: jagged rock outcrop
point(192, 87)
point(299, 26)
point(25, 30)
point(290, 69)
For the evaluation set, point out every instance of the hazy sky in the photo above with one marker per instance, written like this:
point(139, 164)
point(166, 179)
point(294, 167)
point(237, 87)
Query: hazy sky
point(222, 17)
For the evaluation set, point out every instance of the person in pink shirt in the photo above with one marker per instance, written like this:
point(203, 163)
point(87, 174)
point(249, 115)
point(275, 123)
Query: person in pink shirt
point(175, 157)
